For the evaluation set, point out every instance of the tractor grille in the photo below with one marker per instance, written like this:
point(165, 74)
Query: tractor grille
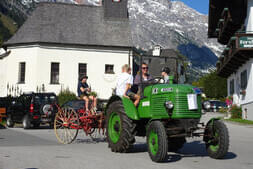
point(181, 103)
point(158, 104)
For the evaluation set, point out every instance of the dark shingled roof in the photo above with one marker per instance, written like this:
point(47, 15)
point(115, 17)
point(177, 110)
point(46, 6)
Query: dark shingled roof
point(59, 23)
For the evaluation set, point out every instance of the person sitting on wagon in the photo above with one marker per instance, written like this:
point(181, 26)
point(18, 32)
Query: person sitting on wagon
point(165, 74)
point(83, 91)
point(124, 83)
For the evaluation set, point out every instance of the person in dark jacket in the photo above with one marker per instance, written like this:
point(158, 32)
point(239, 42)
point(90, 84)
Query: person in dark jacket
point(165, 74)
point(145, 75)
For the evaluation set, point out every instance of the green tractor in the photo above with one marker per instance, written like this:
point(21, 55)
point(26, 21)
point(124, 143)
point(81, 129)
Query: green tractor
point(166, 115)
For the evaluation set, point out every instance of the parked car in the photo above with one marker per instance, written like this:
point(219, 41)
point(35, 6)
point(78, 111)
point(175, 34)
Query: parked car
point(5, 102)
point(32, 109)
point(216, 105)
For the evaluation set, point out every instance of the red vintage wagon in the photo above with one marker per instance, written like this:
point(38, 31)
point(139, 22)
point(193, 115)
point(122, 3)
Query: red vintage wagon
point(69, 120)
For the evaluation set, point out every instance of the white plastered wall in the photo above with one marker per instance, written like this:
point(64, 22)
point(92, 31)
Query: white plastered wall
point(38, 66)
point(17, 55)
point(249, 18)
point(3, 85)
point(247, 100)
point(238, 98)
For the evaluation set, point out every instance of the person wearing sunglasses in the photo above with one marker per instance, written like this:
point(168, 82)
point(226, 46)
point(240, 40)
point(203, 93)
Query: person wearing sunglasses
point(145, 75)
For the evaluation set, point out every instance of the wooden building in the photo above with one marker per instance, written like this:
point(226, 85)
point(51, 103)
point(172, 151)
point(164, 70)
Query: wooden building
point(231, 22)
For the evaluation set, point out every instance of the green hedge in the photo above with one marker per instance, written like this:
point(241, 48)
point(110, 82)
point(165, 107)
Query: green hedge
point(66, 95)
point(236, 112)
point(223, 110)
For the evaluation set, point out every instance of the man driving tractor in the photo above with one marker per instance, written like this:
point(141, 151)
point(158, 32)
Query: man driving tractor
point(145, 75)
point(83, 91)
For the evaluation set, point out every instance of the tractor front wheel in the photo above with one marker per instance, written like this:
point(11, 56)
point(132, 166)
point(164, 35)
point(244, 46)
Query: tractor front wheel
point(157, 141)
point(120, 130)
point(217, 139)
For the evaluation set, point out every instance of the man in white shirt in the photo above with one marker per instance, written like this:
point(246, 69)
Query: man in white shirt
point(124, 83)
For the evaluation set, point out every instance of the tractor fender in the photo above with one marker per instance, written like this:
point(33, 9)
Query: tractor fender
point(129, 106)
point(211, 121)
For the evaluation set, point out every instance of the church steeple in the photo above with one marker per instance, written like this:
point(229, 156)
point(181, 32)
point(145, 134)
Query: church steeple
point(116, 8)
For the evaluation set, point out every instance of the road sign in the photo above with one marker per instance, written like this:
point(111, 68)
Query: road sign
point(246, 42)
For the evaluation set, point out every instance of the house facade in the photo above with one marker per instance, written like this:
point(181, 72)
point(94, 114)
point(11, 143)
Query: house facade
point(232, 24)
point(59, 43)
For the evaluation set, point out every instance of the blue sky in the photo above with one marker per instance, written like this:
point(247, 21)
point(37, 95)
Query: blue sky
point(199, 5)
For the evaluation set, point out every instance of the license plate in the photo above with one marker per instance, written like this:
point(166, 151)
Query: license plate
point(45, 120)
point(192, 102)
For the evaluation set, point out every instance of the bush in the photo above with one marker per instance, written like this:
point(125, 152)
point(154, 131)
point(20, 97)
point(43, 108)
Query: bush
point(66, 95)
point(236, 112)
point(93, 94)
point(223, 110)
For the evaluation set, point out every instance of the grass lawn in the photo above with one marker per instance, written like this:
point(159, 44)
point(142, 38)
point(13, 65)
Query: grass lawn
point(242, 121)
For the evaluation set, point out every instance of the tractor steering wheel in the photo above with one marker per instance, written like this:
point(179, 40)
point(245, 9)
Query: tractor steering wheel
point(155, 79)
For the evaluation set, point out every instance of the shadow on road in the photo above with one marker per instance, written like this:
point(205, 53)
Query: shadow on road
point(45, 127)
point(198, 149)
point(90, 140)
point(191, 149)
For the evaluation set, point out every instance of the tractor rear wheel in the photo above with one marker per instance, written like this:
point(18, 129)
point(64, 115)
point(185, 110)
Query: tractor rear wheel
point(157, 141)
point(120, 130)
point(217, 141)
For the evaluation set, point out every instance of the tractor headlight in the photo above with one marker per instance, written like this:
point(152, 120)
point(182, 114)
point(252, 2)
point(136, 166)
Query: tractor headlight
point(206, 105)
point(169, 104)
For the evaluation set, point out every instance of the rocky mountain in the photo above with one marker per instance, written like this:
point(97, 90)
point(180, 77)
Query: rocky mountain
point(171, 24)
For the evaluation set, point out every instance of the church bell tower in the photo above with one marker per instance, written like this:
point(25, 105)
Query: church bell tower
point(116, 8)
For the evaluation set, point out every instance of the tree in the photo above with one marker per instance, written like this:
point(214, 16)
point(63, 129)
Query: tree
point(213, 85)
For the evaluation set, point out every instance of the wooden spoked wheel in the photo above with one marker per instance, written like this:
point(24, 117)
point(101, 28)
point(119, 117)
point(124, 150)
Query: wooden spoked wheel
point(66, 125)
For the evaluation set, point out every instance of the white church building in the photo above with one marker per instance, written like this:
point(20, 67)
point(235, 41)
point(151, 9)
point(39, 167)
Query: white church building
point(60, 42)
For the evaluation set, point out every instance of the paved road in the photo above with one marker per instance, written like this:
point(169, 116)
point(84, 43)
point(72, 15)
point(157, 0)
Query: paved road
point(38, 149)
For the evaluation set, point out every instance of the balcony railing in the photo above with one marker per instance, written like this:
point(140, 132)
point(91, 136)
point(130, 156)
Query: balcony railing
point(226, 27)
point(238, 51)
